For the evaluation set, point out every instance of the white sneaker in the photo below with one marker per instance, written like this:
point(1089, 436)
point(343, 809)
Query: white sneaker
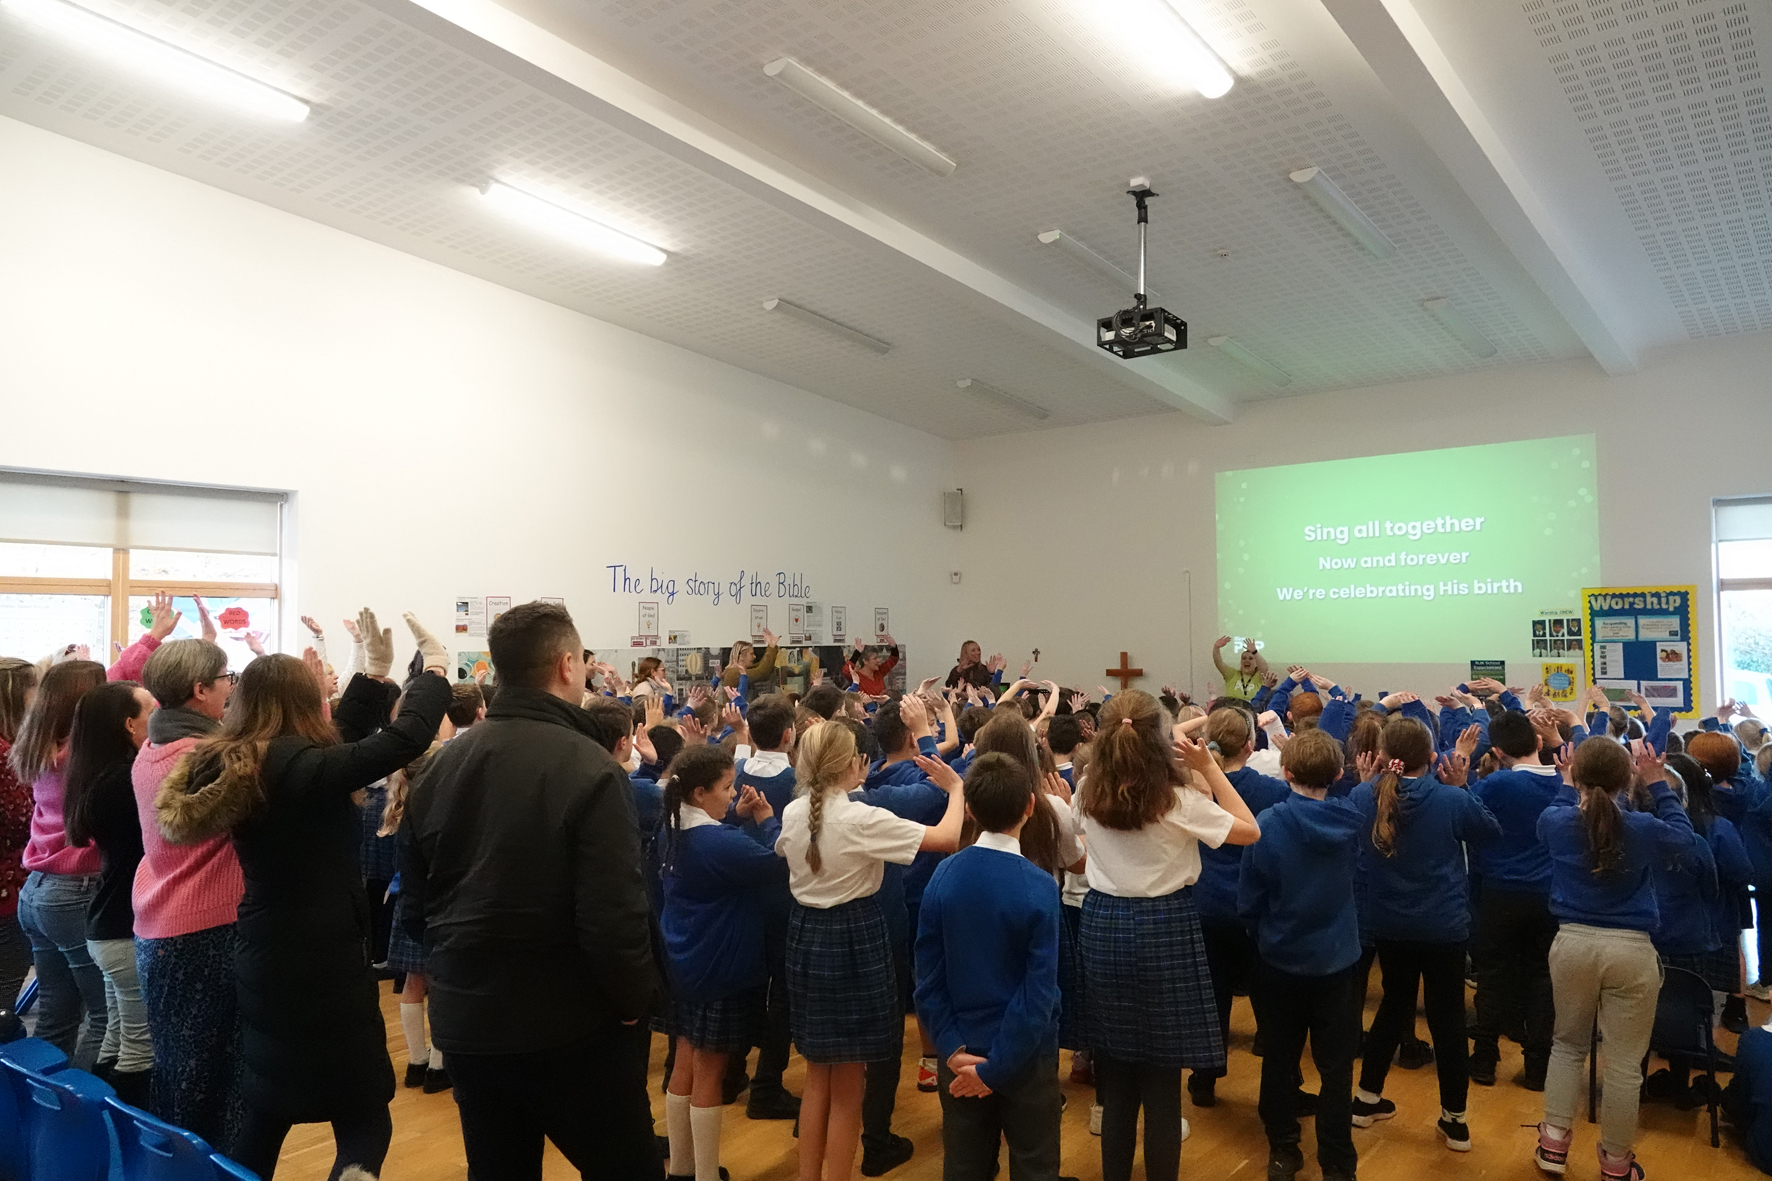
point(1759, 992)
point(1186, 1129)
point(1095, 1119)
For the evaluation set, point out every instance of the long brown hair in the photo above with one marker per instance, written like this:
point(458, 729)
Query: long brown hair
point(18, 679)
point(51, 716)
point(98, 743)
point(1405, 745)
point(1601, 770)
point(821, 757)
point(1009, 734)
point(277, 698)
point(1132, 771)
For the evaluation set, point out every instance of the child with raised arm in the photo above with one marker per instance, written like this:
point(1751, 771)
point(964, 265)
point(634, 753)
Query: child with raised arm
point(1297, 895)
point(843, 1003)
point(987, 986)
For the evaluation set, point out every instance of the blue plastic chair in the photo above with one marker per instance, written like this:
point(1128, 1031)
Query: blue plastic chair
point(66, 1132)
point(153, 1150)
point(27, 998)
point(225, 1168)
point(15, 1145)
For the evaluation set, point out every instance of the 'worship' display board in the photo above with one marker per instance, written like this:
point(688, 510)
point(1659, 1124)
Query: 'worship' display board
point(1639, 640)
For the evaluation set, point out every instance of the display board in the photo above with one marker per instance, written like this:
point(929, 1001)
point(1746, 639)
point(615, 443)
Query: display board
point(1639, 639)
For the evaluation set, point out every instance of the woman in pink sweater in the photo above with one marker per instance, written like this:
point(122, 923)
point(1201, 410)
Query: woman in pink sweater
point(186, 899)
point(63, 879)
point(18, 685)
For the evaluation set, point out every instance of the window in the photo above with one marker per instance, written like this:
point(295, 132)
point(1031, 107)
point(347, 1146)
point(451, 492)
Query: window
point(1744, 600)
point(81, 559)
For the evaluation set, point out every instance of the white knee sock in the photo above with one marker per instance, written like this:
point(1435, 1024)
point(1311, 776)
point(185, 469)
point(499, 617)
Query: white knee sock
point(436, 1058)
point(682, 1135)
point(412, 1023)
point(706, 1121)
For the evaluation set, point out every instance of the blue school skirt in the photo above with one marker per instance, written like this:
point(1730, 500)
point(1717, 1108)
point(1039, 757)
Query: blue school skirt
point(1070, 980)
point(730, 1025)
point(843, 1003)
point(1147, 992)
point(405, 954)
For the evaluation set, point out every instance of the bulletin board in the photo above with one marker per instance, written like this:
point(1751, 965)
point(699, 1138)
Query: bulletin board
point(1640, 639)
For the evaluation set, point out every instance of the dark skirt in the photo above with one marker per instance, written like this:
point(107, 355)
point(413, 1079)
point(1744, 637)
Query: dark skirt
point(405, 954)
point(842, 993)
point(1721, 969)
point(1070, 980)
point(1146, 987)
point(730, 1025)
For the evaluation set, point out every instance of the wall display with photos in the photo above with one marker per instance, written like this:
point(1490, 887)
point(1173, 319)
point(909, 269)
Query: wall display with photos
point(686, 667)
point(1640, 640)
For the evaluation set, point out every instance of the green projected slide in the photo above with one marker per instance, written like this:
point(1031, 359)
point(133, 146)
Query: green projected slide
point(1431, 556)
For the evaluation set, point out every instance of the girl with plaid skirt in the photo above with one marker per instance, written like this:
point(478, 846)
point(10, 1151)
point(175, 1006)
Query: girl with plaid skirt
point(1148, 1008)
point(842, 994)
point(716, 879)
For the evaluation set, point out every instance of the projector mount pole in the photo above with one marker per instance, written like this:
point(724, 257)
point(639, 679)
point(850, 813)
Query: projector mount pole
point(1141, 192)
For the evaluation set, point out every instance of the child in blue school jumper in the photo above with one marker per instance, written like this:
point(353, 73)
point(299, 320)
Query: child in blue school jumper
point(765, 765)
point(1603, 964)
point(1230, 735)
point(842, 999)
point(1416, 911)
point(1514, 923)
point(987, 986)
point(716, 883)
point(1296, 893)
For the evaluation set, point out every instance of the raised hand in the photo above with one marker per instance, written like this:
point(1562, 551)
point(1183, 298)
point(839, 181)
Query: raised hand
point(311, 661)
point(769, 638)
point(209, 632)
point(654, 711)
point(352, 630)
point(1455, 769)
point(1650, 765)
point(1194, 755)
point(1026, 667)
point(1270, 679)
point(643, 744)
point(161, 616)
point(378, 644)
point(698, 695)
point(1468, 738)
point(753, 805)
point(733, 718)
point(1056, 786)
point(255, 643)
point(940, 774)
point(1366, 766)
point(1220, 642)
point(996, 663)
point(692, 729)
point(308, 622)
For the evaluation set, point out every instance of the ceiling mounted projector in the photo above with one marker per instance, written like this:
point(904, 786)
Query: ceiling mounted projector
point(1139, 331)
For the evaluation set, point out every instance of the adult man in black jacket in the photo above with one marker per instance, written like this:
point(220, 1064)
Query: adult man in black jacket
point(521, 855)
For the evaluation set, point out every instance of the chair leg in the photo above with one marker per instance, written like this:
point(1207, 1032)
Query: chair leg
point(1712, 1090)
point(1593, 1075)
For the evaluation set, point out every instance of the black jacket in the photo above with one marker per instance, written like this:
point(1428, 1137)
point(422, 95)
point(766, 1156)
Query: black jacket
point(520, 865)
point(117, 831)
point(313, 1042)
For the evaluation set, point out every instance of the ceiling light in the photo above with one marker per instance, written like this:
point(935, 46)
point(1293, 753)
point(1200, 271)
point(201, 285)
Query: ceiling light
point(570, 225)
point(993, 394)
point(1350, 217)
point(1156, 31)
point(1460, 326)
point(821, 91)
point(1087, 256)
point(1254, 362)
point(162, 60)
point(807, 316)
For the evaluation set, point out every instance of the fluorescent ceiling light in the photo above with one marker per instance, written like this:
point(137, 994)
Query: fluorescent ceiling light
point(1155, 31)
point(1010, 401)
point(572, 226)
point(1460, 326)
point(1100, 264)
point(808, 316)
point(1317, 185)
point(821, 91)
point(1254, 362)
point(161, 60)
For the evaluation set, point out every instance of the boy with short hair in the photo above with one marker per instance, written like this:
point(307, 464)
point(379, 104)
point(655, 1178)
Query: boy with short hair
point(1297, 895)
point(987, 987)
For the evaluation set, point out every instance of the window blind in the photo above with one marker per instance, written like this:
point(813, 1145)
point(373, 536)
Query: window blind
point(128, 514)
point(1748, 519)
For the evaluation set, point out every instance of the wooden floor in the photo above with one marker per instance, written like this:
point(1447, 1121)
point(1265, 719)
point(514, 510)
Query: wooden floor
point(1226, 1141)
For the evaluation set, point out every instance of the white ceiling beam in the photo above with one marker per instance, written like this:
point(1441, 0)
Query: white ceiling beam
point(1400, 49)
point(499, 37)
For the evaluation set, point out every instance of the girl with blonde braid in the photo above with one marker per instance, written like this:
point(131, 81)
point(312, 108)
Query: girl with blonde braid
point(841, 993)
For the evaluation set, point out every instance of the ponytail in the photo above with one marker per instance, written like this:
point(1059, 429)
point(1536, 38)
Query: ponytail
point(694, 768)
point(825, 753)
point(1405, 745)
point(1601, 770)
point(1228, 732)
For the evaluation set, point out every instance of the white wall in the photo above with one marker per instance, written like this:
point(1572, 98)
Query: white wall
point(1084, 541)
point(442, 435)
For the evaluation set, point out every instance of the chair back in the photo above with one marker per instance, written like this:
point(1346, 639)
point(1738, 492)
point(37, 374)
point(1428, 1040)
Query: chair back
point(154, 1150)
point(67, 1137)
point(1682, 1014)
point(227, 1170)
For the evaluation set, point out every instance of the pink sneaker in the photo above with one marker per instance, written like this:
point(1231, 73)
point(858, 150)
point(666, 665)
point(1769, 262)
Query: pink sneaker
point(1619, 1168)
point(1552, 1154)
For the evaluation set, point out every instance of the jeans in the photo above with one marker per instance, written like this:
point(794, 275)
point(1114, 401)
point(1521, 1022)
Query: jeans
point(1613, 976)
point(126, 1014)
point(15, 960)
point(1514, 934)
point(588, 1098)
point(1437, 970)
point(52, 910)
point(1327, 1008)
point(1023, 1111)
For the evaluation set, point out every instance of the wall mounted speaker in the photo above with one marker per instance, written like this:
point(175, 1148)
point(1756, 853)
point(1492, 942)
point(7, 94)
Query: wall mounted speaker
point(953, 508)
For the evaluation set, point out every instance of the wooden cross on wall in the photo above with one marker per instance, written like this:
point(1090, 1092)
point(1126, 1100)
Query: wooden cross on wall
point(1127, 675)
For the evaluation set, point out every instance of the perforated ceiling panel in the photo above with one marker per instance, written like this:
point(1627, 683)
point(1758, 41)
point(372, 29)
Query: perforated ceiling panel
point(1672, 98)
point(1047, 117)
point(404, 127)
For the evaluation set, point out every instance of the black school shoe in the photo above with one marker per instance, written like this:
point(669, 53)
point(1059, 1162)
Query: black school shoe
point(1414, 1054)
point(1202, 1089)
point(1735, 1014)
point(724, 1176)
point(437, 1081)
point(1284, 1162)
point(1483, 1070)
point(415, 1074)
point(875, 1164)
point(771, 1103)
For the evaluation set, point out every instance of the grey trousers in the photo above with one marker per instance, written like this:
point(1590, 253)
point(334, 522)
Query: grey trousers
point(1025, 1113)
point(126, 1025)
point(1614, 976)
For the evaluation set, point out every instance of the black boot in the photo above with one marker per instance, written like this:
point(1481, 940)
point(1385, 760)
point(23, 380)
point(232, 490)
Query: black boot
point(1735, 1014)
point(134, 1087)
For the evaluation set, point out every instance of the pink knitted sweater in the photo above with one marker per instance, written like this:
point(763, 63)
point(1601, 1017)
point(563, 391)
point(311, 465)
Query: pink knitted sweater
point(179, 889)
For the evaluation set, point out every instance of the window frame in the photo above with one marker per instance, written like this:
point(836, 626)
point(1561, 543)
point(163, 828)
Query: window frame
point(121, 588)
